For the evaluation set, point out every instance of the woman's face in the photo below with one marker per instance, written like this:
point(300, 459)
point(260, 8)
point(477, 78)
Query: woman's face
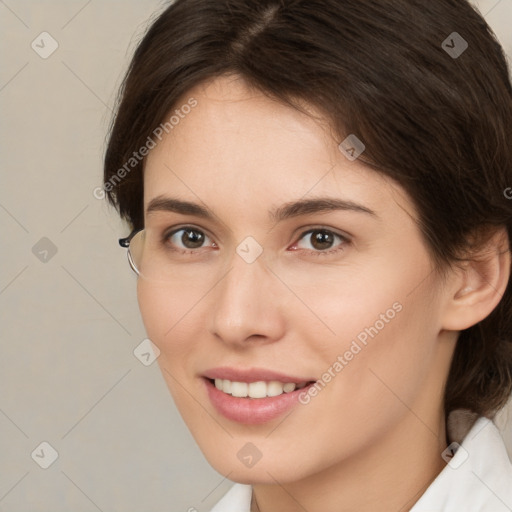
point(264, 293)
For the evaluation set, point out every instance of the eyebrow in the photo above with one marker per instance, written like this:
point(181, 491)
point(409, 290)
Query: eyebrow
point(283, 212)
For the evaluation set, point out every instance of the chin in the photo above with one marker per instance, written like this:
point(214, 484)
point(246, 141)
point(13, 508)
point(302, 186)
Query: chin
point(262, 472)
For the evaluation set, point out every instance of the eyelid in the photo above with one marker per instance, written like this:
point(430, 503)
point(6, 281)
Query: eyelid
point(342, 234)
point(172, 229)
point(345, 240)
point(167, 234)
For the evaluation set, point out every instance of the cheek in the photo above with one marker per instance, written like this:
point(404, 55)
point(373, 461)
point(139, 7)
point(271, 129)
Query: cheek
point(166, 313)
point(346, 305)
point(155, 306)
point(168, 318)
point(380, 338)
point(373, 370)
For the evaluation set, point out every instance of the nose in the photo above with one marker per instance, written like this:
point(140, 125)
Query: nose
point(249, 304)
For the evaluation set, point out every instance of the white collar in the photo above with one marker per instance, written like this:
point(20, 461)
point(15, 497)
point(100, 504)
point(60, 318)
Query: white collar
point(479, 475)
point(477, 478)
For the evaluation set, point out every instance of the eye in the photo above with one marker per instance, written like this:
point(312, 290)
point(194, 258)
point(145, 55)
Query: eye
point(191, 238)
point(322, 241)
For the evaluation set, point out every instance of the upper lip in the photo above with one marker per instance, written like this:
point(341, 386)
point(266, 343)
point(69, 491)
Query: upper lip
point(253, 375)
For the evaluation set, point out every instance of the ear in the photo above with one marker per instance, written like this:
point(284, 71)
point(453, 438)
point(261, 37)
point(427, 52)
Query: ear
point(476, 288)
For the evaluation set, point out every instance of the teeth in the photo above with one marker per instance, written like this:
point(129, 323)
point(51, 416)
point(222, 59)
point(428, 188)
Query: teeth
point(239, 389)
point(258, 389)
point(274, 388)
point(289, 387)
point(226, 386)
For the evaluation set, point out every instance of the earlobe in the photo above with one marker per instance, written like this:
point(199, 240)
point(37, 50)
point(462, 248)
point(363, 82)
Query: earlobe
point(478, 286)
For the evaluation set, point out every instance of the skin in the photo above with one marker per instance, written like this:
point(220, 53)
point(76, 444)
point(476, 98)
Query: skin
point(372, 438)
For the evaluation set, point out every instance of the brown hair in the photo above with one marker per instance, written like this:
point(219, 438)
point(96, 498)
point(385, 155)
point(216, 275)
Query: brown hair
point(437, 122)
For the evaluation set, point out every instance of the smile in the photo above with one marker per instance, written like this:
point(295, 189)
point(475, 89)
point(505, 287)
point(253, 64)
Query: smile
point(253, 396)
point(260, 389)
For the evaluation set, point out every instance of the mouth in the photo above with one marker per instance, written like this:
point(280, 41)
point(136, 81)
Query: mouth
point(253, 397)
point(257, 390)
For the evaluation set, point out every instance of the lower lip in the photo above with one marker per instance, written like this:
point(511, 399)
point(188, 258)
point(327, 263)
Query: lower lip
point(252, 411)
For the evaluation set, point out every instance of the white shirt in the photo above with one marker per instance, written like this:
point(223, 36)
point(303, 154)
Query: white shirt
point(477, 478)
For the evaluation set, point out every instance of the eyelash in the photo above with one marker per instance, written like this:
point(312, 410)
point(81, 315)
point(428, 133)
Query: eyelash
point(166, 236)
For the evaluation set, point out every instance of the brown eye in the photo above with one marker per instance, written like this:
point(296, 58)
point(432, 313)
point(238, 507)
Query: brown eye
point(190, 238)
point(193, 237)
point(322, 241)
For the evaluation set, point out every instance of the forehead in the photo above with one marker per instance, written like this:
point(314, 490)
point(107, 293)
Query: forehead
point(238, 144)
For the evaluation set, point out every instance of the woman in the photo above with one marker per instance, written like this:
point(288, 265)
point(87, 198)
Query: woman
point(317, 191)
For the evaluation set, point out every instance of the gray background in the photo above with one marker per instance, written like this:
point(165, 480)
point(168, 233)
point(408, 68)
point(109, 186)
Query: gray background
point(69, 325)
